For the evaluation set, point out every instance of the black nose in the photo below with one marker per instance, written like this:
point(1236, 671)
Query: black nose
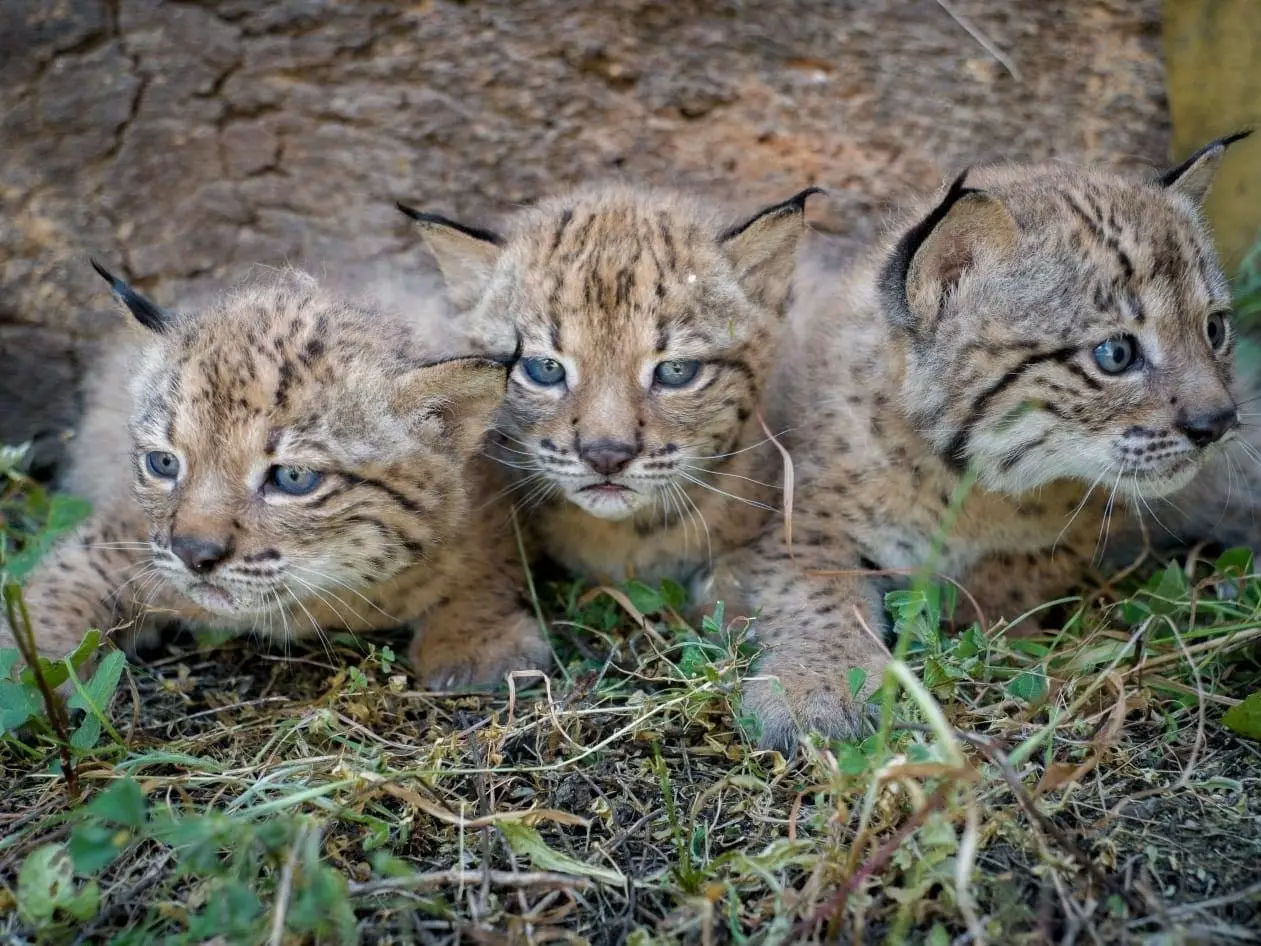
point(1208, 427)
point(607, 457)
point(200, 555)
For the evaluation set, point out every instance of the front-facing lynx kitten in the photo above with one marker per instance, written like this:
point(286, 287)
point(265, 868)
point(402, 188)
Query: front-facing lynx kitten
point(648, 332)
point(294, 464)
point(1055, 329)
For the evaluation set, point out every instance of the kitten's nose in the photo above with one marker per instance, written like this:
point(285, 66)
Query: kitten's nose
point(607, 457)
point(200, 555)
point(1208, 426)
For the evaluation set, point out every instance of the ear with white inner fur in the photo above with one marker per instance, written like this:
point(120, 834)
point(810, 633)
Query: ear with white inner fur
point(466, 255)
point(966, 229)
point(1194, 176)
point(452, 402)
point(763, 249)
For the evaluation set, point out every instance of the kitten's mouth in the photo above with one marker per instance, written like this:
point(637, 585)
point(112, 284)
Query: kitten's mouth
point(211, 596)
point(607, 489)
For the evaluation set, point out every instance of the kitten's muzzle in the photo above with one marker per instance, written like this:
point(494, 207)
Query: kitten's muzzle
point(199, 554)
point(1208, 427)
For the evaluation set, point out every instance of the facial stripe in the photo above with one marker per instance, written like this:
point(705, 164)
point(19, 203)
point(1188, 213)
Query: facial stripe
point(956, 452)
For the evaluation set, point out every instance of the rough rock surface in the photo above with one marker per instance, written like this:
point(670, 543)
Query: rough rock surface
point(183, 141)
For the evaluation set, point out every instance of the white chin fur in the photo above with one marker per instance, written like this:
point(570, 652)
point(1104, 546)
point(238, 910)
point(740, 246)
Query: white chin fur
point(610, 506)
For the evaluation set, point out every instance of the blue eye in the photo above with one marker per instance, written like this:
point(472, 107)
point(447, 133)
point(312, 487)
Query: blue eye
point(163, 465)
point(544, 371)
point(1118, 354)
point(294, 480)
point(675, 374)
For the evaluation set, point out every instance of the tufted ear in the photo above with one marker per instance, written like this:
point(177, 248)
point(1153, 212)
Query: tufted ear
point(763, 249)
point(466, 255)
point(930, 259)
point(452, 402)
point(149, 314)
point(1194, 176)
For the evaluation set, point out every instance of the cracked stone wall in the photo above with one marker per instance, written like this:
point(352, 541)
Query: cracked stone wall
point(184, 141)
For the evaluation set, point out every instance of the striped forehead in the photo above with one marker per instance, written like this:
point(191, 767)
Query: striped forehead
point(618, 277)
point(1145, 246)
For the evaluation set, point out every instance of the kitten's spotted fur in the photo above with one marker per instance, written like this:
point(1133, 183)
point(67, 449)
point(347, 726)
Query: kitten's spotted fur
point(972, 342)
point(279, 375)
point(648, 332)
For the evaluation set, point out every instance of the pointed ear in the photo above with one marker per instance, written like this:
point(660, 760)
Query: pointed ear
point(1194, 176)
point(763, 249)
point(149, 314)
point(466, 255)
point(932, 256)
point(452, 403)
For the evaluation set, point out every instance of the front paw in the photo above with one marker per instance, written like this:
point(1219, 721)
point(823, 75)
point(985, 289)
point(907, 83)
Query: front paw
point(443, 664)
point(788, 707)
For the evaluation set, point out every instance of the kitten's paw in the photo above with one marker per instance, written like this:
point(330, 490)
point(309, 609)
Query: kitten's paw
point(483, 662)
point(790, 707)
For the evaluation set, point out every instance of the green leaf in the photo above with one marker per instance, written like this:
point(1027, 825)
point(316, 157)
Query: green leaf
point(971, 643)
point(1236, 563)
point(647, 600)
point(94, 846)
point(1168, 590)
point(938, 677)
point(100, 689)
point(322, 906)
point(18, 703)
point(122, 803)
point(526, 841)
point(850, 759)
point(1029, 686)
point(63, 514)
point(85, 904)
point(693, 661)
point(9, 657)
point(856, 679)
point(46, 884)
point(1244, 718)
point(229, 915)
point(55, 672)
point(673, 594)
point(87, 735)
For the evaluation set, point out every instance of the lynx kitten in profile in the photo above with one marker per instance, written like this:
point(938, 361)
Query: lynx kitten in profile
point(1063, 332)
point(294, 465)
point(649, 333)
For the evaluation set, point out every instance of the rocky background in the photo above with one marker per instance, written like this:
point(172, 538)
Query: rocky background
point(182, 141)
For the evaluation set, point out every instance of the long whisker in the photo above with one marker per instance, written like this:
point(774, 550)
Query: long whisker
point(1105, 527)
point(752, 446)
point(315, 626)
point(747, 479)
point(1080, 506)
point(700, 518)
point(720, 492)
point(332, 607)
point(322, 576)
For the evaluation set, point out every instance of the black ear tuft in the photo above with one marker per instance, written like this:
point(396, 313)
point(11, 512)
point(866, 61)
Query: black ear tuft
point(1171, 177)
point(793, 205)
point(148, 314)
point(893, 277)
point(435, 220)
